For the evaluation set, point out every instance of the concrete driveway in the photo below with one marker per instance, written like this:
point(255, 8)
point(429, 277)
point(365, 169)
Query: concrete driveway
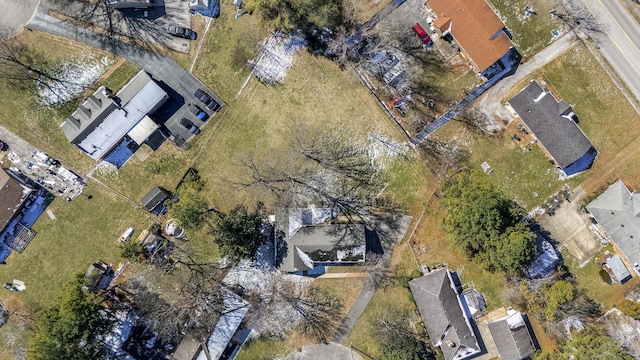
point(328, 351)
point(570, 226)
point(14, 14)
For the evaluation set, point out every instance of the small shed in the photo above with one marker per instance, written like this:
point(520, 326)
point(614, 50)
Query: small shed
point(154, 200)
point(618, 269)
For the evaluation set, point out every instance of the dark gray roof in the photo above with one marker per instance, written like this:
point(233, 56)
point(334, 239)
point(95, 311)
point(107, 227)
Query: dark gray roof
point(445, 315)
point(542, 113)
point(617, 267)
point(88, 116)
point(512, 338)
point(154, 197)
point(309, 240)
point(617, 210)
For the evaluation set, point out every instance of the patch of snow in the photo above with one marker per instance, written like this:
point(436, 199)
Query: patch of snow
point(234, 311)
point(74, 77)
point(119, 335)
point(383, 150)
point(276, 57)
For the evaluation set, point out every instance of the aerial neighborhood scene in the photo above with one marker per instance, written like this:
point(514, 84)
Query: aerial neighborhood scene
point(319, 179)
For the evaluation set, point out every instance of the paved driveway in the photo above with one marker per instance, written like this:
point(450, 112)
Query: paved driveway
point(570, 226)
point(173, 78)
point(16, 13)
point(328, 351)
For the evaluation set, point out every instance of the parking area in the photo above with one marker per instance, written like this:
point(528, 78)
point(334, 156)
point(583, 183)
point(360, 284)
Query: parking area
point(570, 226)
point(148, 25)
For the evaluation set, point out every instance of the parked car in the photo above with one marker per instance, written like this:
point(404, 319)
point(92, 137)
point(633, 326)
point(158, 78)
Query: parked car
point(207, 100)
point(3, 146)
point(422, 34)
point(187, 124)
point(179, 31)
point(195, 109)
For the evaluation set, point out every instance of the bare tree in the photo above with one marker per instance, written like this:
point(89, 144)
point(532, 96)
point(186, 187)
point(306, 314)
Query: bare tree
point(578, 18)
point(23, 66)
point(380, 275)
point(318, 309)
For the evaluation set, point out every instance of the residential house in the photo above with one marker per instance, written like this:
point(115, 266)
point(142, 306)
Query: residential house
point(512, 336)
point(154, 200)
point(103, 120)
point(209, 8)
point(553, 123)
point(481, 35)
point(617, 211)
point(445, 313)
point(222, 342)
point(617, 268)
point(310, 241)
point(21, 203)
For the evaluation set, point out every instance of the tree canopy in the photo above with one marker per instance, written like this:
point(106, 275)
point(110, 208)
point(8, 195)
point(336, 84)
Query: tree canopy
point(73, 327)
point(294, 14)
point(192, 208)
point(485, 225)
point(589, 344)
point(239, 233)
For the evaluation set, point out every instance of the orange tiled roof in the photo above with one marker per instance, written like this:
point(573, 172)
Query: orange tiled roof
point(473, 24)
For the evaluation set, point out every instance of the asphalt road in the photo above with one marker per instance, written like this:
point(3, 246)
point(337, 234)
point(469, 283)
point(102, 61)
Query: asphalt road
point(619, 40)
point(16, 13)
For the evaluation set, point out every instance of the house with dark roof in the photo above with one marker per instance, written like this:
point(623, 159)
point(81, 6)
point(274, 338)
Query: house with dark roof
point(103, 120)
point(445, 313)
point(546, 260)
point(481, 35)
point(617, 211)
point(309, 241)
point(512, 336)
point(154, 200)
point(553, 123)
point(21, 203)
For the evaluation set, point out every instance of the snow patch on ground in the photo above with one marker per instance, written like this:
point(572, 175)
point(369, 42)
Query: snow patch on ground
point(383, 151)
point(105, 169)
point(270, 314)
point(276, 57)
point(75, 77)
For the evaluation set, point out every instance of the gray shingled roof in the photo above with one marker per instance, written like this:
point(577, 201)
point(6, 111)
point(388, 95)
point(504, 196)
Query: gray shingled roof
point(617, 210)
point(561, 136)
point(154, 197)
point(445, 317)
point(512, 337)
point(309, 238)
point(617, 267)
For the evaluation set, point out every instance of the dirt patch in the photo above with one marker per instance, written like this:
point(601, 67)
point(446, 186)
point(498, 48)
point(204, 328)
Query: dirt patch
point(570, 226)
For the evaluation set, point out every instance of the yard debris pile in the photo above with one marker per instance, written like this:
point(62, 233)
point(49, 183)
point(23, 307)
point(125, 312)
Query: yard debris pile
point(276, 57)
point(73, 78)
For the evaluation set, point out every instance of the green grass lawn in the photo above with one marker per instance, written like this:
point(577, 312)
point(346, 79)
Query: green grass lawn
point(530, 33)
point(84, 231)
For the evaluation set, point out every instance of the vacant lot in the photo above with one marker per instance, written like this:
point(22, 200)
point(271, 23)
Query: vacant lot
point(530, 32)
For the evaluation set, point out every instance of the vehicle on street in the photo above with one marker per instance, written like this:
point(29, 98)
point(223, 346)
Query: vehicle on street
point(3, 146)
point(207, 100)
point(179, 31)
point(187, 124)
point(195, 109)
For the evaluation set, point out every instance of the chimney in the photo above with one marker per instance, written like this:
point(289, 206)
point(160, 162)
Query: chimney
point(450, 343)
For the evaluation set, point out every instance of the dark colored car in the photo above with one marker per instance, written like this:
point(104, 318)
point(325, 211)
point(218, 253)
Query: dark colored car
point(187, 124)
point(207, 100)
point(3, 146)
point(195, 109)
point(179, 31)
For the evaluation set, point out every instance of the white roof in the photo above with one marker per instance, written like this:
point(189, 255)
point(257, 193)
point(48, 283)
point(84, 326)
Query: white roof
point(143, 130)
point(121, 121)
point(234, 311)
